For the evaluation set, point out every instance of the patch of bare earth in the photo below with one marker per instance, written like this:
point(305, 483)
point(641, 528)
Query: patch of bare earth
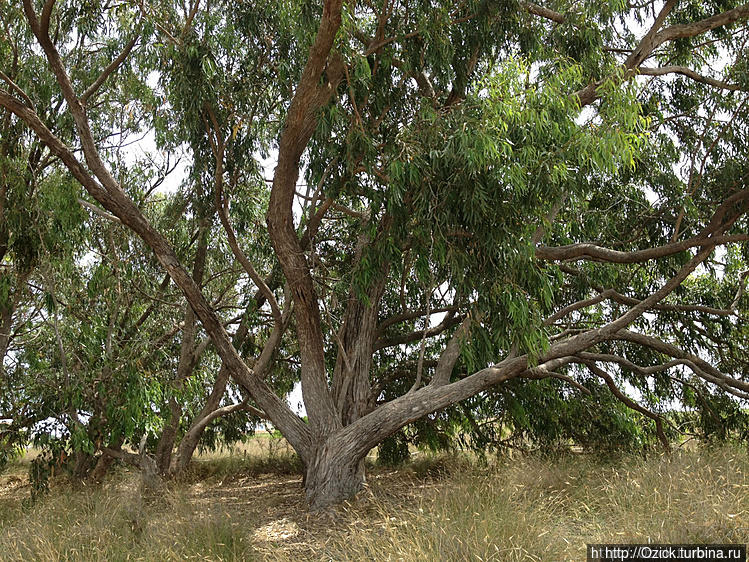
point(274, 506)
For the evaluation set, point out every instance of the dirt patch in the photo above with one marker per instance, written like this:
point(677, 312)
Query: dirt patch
point(273, 507)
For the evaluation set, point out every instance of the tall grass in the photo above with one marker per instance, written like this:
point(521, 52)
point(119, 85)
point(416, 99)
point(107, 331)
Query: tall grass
point(249, 506)
point(548, 509)
point(116, 525)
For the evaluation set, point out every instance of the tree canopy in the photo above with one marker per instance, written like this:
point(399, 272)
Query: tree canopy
point(481, 217)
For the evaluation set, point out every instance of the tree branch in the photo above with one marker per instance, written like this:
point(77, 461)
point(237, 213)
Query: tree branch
point(689, 73)
point(114, 199)
point(114, 65)
point(450, 355)
point(217, 143)
point(700, 367)
point(543, 12)
point(16, 88)
point(448, 322)
point(585, 251)
point(631, 403)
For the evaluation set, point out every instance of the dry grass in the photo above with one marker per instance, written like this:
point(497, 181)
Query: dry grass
point(248, 505)
point(542, 509)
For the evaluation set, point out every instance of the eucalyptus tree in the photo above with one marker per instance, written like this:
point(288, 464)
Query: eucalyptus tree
point(41, 225)
point(531, 173)
point(119, 360)
point(93, 354)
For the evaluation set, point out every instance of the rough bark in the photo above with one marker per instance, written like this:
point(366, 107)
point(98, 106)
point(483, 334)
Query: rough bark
point(352, 388)
point(301, 121)
point(332, 477)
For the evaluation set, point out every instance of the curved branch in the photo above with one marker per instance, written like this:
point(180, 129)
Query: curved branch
point(689, 73)
point(657, 37)
point(608, 379)
point(448, 322)
point(450, 355)
point(16, 88)
point(701, 367)
point(585, 251)
point(217, 143)
point(111, 67)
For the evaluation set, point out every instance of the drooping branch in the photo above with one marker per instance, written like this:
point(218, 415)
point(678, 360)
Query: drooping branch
point(611, 294)
point(663, 367)
point(609, 380)
point(545, 372)
point(577, 306)
point(243, 406)
point(627, 364)
point(630, 301)
point(697, 364)
point(97, 211)
point(16, 88)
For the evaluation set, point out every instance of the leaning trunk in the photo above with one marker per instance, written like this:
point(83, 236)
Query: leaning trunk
point(188, 444)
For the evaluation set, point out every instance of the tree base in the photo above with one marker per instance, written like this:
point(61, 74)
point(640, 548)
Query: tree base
point(331, 480)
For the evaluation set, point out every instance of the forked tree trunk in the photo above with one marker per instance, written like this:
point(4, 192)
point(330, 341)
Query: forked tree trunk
point(186, 448)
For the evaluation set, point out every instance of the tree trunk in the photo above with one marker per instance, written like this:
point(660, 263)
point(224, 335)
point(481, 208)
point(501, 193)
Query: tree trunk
point(105, 462)
point(188, 360)
point(188, 444)
point(83, 463)
point(103, 465)
point(332, 477)
point(168, 437)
